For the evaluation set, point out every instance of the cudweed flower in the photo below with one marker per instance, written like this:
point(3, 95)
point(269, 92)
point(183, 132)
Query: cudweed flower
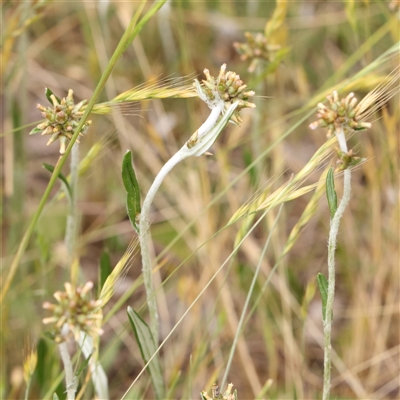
point(74, 312)
point(347, 159)
point(61, 120)
point(394, 5)
point(216, 394)
point(256, 49)
point(344, 113)
point(226, 89)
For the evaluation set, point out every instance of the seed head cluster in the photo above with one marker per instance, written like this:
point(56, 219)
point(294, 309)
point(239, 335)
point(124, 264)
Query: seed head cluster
point(344, 113)
point(346, 160)
point(61, 120)
point(229, 88)
point(75, 310)
point(216, 394)
point(256, 49)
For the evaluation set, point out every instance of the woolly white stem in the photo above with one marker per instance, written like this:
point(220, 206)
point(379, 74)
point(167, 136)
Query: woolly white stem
point(341, 139)
point(335, 222)
point(70, 382)
point(211, 120)
point(144, 237)
point(208, 134)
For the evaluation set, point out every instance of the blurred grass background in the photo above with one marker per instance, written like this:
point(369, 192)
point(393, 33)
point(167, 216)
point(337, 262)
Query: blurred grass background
point(65, 45)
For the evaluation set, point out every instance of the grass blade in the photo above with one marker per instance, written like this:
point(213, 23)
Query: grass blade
point(147, 347)
point(105, 267)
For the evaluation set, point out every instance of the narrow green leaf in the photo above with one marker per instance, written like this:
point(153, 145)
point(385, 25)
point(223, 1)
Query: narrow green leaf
point(48, 92)
point(43, 361)
point(131, 184)
point(331, 192)
point(105, 267)
point(60, 176)
point(55, 396)
point(323, 289)
point(147, 347)
point(35, 130)
point(83, 366)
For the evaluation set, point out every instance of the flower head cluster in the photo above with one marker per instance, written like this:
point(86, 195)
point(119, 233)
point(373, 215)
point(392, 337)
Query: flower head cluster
point(75, 311)
point(61, 120)
point(216, 394)
point(256, 49)
point(347, 159)
point(344, 113)
point(227, 87)
point(394, 4)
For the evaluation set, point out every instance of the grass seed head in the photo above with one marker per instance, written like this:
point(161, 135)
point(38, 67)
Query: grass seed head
point(30, 363)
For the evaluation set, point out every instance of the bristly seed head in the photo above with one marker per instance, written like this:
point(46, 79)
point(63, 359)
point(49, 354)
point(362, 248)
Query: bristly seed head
point(344, 113)
point(75, 310)
point(61, 120)
point(227, 87)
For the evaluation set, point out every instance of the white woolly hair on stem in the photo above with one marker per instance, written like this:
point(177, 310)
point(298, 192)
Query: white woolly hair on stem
point(70, 382)
point(204, 138)
point(333, 232)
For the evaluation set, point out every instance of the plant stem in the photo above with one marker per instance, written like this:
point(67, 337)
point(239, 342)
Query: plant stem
point(70, 382)
point(333, 232)
point(130, 33)
point(144, 238)
point(70, 232)
point(209, 128)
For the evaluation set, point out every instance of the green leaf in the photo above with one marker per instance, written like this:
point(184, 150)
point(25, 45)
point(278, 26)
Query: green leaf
point(323, 289)
point(147, 347)
point(60, 176)
point(36, 130)
point(105, 267)
point(331, 192)
point(55, 396)
point(48, 92)
point(83, 366)
point(131, 184)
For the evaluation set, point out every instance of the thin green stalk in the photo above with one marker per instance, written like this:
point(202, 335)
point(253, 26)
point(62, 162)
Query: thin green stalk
point(130, 33)
point(335, 222)
point(246, 304)
point(70, 232)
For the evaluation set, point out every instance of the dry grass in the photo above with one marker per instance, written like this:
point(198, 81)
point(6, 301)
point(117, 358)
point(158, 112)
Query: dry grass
point(202, 210)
